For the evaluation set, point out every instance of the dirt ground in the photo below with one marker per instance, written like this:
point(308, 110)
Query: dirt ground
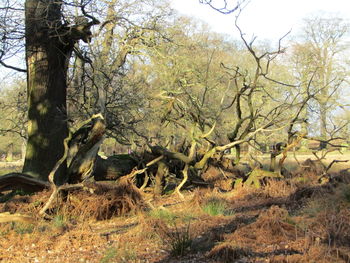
point(297, 219)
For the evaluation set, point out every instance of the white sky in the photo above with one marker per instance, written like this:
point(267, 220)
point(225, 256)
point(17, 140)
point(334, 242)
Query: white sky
point(266, 19)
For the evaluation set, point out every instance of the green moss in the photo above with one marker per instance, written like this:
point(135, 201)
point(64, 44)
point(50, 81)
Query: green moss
point(257, 174)
point(4, 171)
point(43, 108)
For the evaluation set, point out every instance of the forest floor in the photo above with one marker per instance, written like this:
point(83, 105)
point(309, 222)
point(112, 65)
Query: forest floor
point(293, 219)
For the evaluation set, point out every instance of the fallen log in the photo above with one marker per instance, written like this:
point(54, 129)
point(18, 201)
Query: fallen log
point(23, 182)
point(113, 167)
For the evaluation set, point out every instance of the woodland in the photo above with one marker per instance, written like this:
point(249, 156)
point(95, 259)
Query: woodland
point(132, 133)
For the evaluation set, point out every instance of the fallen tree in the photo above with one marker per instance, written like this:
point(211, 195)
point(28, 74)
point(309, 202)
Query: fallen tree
point(81, 148)
point(81, 153)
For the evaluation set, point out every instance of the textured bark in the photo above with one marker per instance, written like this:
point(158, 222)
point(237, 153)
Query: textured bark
point(160, 177)
point(113, 167)
point(83, 145)
point(49, 45)
point(272, 162)
point(82, 165)
point(47, 63)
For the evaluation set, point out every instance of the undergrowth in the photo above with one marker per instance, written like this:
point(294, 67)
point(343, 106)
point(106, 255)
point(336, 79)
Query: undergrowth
point(163, 214)
point(309, 231)
point(179, 240)
point(118, 254)
point(59, 221)
point(21, 228)
point(214, 207)
point(173, 231)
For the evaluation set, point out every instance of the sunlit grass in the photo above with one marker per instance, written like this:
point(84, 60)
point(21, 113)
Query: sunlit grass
point(163, 214)
point(117, 254)
point(215, 207)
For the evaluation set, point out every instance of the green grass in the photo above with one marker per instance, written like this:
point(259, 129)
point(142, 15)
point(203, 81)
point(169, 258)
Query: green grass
point(164, 215)
point(22, 228)
point(179, 240)
point(215, 207)
point(120, 255)
point(109, 255)
point(59, 221)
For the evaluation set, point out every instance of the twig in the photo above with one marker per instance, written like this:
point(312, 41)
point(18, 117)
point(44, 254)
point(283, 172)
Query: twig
point(145, 182)
point(335, 161)
point(154, 161)
point(56, 190)
point(184, 180)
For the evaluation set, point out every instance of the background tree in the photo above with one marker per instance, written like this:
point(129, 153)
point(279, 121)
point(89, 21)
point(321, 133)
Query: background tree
point(163, 79)
point(13, 118)
point(113, 81)
point(320, 53)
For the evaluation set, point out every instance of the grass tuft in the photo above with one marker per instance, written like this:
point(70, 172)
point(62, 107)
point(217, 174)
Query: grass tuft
point(215, 207)
point(22, 228)
point(115, 254)
point(109, 255)
point(163, 214)
point(59, 221)
point(180, 240)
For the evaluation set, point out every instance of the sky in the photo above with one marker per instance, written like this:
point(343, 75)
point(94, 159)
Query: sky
point(265, 19)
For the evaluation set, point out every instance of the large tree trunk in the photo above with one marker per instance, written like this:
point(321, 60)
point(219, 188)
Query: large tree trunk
point(80, 152)
point(47, 62)
point(49, 45)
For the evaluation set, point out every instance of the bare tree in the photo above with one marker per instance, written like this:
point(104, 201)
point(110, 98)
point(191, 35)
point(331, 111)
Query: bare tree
point(323, 43)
